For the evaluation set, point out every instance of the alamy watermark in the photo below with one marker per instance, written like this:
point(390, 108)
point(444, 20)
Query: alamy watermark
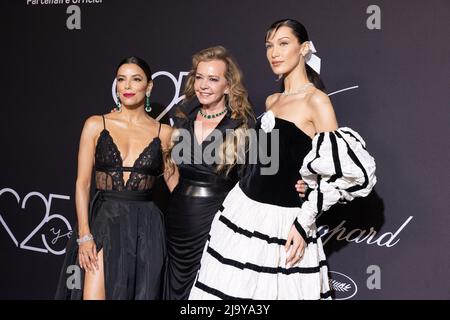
point(373, 21)
point(259, 147)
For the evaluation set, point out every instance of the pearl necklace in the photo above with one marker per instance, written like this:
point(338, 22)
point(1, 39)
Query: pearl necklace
point(301, 90)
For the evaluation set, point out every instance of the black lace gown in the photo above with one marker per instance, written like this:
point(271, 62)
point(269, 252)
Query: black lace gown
point(126, 225)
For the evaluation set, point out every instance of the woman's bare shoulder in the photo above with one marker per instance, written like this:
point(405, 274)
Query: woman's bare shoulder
point(323, 115)
point(270, 100)
point(165, 134)
point(94, 123)
point(166, 129)
point(319, 98)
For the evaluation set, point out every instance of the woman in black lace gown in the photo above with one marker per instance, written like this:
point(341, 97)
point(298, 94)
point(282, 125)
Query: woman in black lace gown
point(119, 242)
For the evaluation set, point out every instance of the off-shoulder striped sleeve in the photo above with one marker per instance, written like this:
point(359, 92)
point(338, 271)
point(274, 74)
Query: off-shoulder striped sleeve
point(337, 169)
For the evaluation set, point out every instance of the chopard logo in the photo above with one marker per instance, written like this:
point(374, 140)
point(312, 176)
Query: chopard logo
point(47, 236)
point(343, 286)
point(371, 236)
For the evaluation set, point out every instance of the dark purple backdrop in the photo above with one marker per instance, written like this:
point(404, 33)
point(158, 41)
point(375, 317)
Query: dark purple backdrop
point(53, 78)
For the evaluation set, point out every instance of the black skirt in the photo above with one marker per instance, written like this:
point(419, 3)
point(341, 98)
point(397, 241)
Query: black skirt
point(192, 207)
point(129, 228)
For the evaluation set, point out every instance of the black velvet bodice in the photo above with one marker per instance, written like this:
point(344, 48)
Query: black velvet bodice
point(278, 188)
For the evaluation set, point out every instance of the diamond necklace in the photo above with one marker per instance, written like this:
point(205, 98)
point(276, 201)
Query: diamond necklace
point(301, 90)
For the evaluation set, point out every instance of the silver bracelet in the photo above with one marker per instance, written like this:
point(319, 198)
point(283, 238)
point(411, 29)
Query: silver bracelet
point(85, 238)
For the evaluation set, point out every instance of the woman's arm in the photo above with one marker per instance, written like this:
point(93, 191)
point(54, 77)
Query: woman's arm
point(171, 178)
point(323, 119)
point(171, 174)
point(86, 155)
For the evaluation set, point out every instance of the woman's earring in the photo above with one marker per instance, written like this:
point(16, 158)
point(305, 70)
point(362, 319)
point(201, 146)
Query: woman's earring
point(119, 106)
point(148, 108)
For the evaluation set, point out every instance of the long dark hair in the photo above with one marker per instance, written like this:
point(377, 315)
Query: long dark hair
point(139, 62)
point(301, 34)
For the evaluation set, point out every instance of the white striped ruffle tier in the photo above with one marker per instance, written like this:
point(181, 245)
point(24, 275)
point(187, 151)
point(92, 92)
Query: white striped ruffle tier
point(245, 256)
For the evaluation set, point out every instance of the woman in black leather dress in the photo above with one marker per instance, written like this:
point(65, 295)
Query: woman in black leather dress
point(216, 101)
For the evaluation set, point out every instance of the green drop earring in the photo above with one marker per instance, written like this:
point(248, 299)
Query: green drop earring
point(148, 108)
point(119, 106)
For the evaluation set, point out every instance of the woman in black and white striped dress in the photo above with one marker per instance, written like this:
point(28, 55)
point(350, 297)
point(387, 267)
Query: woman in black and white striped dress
point(263, 242)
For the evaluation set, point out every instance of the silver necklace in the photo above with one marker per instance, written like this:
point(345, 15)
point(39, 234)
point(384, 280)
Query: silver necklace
point(301, 90)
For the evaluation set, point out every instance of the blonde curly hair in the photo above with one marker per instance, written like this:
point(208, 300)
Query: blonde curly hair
point(237, 101)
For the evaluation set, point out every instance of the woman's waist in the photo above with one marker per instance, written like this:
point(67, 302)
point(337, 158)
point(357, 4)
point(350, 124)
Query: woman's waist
point(207, 179)
point(272, 189)
point(123, 195)
point(199, 188)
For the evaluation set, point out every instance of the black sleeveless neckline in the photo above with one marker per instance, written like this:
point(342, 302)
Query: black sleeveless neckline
point(114, 145)
point(109, 167)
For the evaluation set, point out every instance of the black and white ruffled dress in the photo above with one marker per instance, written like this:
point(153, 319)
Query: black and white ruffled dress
point(245, 255)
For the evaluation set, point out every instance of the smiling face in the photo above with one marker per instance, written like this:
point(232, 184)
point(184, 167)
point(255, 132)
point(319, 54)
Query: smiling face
point(132, 84)
point(210, 84)
point(283, 51)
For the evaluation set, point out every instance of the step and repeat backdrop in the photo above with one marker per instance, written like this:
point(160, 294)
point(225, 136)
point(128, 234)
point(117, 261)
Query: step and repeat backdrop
point(386, 68)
